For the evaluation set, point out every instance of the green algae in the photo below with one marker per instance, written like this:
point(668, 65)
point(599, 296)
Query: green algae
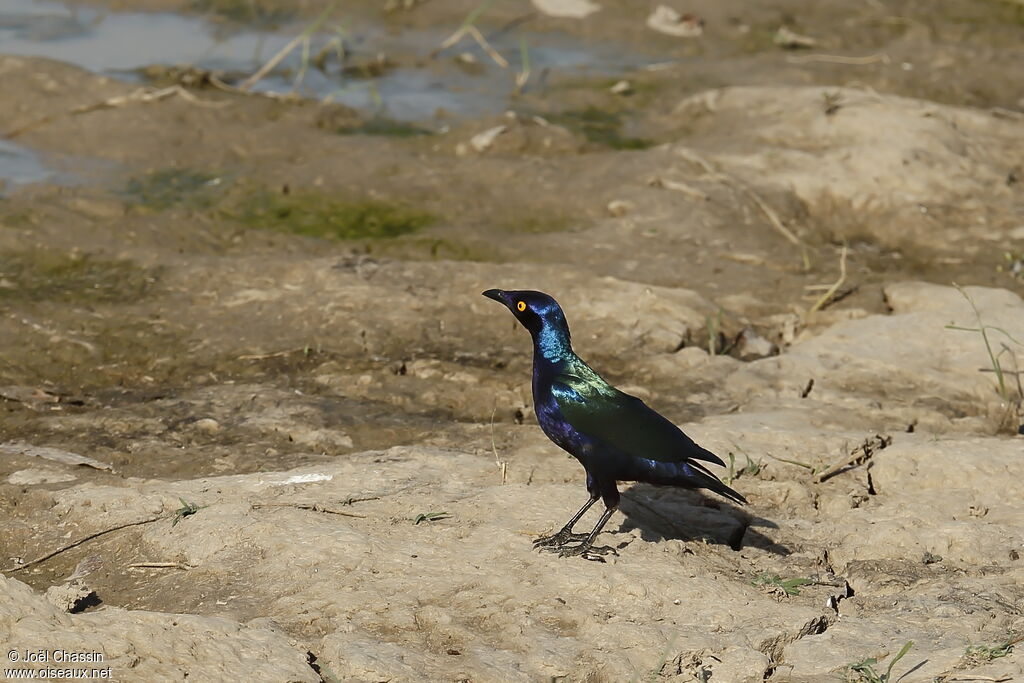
point(170, 187)
point(46, 275)
point(384, 127)
point(599, 126)
point(315, 214)
point(260, 13)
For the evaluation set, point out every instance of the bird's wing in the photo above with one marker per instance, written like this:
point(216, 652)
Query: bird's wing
point(601, 411)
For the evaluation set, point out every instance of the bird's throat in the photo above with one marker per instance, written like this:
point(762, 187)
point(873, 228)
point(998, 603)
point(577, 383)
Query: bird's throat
point(551, 344)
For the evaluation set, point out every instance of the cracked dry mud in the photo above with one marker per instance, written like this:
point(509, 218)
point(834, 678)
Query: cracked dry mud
point(304, 459)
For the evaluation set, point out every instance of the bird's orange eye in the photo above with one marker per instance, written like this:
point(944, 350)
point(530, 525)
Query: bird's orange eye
point(521, 306)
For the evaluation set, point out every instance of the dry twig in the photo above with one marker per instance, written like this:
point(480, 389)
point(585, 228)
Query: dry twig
point(824, 300)
point(141, 95)
point(858, 456)
point(840, 59)
point(275, 354)
point(160, 565)
point(302, 38)
point(315, 507)
point(75, 544)
point(474, 32)
point(768, 211)
point(502, 464)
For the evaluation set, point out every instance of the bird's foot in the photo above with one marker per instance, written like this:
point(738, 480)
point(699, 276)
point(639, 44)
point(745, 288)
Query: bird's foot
point(558, 540)
point(585, 550)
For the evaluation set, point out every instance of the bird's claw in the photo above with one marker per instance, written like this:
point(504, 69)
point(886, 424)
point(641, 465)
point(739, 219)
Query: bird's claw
point(584, 550)
point(559, 539)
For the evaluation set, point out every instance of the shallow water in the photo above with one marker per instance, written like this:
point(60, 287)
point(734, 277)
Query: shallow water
point(120, 43)
point(20, 166)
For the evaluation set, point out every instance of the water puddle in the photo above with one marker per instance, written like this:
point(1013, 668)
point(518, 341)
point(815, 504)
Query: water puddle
point(20, 166)
point(408, 86)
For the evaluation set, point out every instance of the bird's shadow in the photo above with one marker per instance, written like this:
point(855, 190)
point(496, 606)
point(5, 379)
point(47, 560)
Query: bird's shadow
point(662, 513)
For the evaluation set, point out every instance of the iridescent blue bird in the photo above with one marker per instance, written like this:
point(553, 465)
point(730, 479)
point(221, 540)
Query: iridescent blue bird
point(615, 436)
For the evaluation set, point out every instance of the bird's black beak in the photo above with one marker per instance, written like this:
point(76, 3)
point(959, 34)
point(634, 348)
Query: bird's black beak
point(496, 294)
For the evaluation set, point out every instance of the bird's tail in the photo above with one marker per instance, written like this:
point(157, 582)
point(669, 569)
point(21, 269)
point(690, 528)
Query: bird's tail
point(689, 474)
point(697, 476)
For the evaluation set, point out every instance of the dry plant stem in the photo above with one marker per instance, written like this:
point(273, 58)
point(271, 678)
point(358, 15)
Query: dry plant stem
point(75, 544)
point(142, 95)
point(791, 462)
point(855, 459)
point(159, 565)
point(276, 354)
point(839, 59)
point(270, 64)
point(677, 186)
point(502, 464)
point(468, 27)
point(467, 22)
point(768, 211)
point(820, 304)
point(486, 47)
point(858, 457)
point(314, 507)
point(983, 329)
point(776, 222)
point(523, 76)
point(286, 50)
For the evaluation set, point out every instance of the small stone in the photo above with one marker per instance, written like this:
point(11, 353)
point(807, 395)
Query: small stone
point(207, 425)
point(751, 345)
point(621, 88)
point(69, 596)
point(619, 208)
point(791, 40)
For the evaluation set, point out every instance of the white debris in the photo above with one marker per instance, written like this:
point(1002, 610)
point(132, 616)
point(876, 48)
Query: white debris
point(568, 9)
point(666, 20)
point(304, 479)
point(482, 141)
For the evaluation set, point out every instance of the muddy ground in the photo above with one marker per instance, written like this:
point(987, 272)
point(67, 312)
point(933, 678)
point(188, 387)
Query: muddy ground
point(244, 355)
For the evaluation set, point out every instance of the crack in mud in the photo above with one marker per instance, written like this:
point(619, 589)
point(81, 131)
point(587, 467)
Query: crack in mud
point(775, 647)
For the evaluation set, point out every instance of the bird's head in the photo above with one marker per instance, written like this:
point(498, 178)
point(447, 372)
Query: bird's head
point(535, 310)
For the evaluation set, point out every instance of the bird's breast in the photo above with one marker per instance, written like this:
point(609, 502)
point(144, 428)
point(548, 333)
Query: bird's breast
point(554, 424)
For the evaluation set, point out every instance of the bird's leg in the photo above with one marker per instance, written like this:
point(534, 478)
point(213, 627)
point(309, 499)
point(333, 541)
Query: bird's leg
point(586, 549)
point(566, 535)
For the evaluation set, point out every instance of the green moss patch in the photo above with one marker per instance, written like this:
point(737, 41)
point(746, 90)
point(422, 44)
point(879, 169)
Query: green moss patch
point(316, 215)
point(264, 13)
point(384, 127)
point(56, 276)
point(600, 127)
point(172, 187)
